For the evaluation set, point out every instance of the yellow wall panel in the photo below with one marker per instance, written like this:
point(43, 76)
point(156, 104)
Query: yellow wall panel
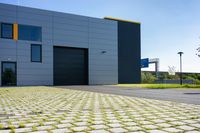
point(15, 32)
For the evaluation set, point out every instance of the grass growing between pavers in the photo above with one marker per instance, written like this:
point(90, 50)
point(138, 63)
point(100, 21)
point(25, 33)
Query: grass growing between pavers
point(161, 86)
point(49, 109)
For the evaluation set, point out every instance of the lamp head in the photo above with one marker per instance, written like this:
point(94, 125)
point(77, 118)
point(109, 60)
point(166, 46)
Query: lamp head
point(180, 53)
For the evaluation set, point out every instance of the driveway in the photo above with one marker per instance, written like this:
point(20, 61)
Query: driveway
point(53, 110)
point(190, 96)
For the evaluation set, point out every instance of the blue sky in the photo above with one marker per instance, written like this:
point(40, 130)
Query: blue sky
point(168, 26)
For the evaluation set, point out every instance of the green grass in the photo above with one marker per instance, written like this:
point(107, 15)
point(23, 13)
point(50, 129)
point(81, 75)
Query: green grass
point(160, 86)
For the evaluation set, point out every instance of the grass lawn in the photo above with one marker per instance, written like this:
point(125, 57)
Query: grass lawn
point(160, 86)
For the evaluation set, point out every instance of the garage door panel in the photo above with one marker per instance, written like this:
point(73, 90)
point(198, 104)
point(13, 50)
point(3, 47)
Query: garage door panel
point(70, 66)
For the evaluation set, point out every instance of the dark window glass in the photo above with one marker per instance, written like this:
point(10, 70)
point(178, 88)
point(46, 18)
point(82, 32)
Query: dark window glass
point(36, 53)
point(6, 30)
point(8, 73)
point(30, 33)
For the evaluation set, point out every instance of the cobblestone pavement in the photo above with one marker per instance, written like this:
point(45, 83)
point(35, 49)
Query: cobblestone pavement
point(54, 110)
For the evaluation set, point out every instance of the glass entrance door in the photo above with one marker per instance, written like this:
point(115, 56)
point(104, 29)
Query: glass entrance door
point(8, 73)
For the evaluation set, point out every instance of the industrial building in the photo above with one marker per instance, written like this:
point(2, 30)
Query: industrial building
point(40, 47)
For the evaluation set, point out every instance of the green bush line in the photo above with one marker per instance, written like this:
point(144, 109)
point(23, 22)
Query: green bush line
point(160, 86)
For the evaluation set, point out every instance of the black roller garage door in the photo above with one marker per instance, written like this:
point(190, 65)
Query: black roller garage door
point(70, 66)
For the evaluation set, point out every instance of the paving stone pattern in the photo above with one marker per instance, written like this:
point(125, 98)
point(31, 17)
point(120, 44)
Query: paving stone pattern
point(54, 110)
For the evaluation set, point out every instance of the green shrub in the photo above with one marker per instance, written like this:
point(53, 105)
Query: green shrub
point(148, 77)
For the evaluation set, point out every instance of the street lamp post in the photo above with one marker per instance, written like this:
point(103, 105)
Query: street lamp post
point(181, 78)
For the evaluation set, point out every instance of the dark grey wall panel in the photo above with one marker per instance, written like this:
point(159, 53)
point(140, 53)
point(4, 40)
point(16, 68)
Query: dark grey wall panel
point(70, 66)
point(129, 70)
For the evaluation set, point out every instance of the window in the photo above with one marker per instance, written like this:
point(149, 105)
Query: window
point(6, 30)
point(30, 33)
point(36, 53)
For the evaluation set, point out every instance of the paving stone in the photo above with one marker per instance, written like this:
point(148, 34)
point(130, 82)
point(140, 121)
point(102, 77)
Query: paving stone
point(189, 121)
point(134, 128)
point(177, 123)
point(64, 130)
point(138, 132)
point(98, 127)
point(31, 124)
point(81, 124)
point(50, 123)
point(193, 132)
point(40, 132)
point(170, 119)
point(113, 121)
point(65, 121)
point(5, 131)
point(78, 129)
point(186, 128)
point(115, 125)
point(118, 130)
point(98, 122)
point(158, 121)
point(99, 131)
point(195, 125)
point(126, 120)
point(44, 127)
point(164, 125)
point(22, 130)
point(145, 122)
point(130, 123)
point(150, 127)
point(64, 125)
point(156, 131)
point(174, 130)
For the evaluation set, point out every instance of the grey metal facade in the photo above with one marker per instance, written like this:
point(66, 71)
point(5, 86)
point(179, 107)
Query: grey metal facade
point(99, 36)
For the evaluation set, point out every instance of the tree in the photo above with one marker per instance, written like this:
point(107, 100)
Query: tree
point(148, 77)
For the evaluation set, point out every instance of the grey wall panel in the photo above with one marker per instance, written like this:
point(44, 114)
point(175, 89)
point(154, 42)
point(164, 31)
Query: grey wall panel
point(99, 42)
point(35, 22)
point(33, 16)
point(68, 21)
point(102, 38)
point(70, 27)
point(65, 32)
point(70, 31)
point(71, 43)
point(103, 31)
point(7, 7)
point(7, 44)
point(102, 21)
point(34, 11)
point(27, 65)
point(71, 38)
point(7, 13)
point(67, 16)
point(8, 19)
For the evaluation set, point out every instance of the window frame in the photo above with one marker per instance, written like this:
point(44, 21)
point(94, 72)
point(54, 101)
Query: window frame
point(40, 53)
point(2, 30)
